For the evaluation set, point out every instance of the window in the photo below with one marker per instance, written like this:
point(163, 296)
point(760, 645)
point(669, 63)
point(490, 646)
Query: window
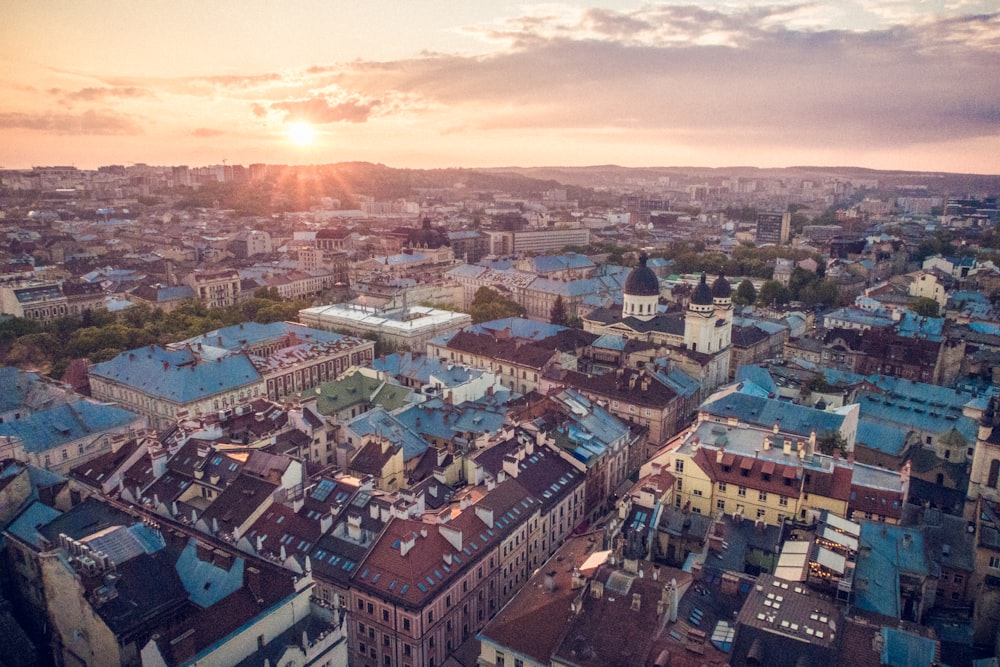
point(762, 496)
point(361, 628)
point(761, 513)
point(500, 659)
point(385, 640)
point(430, 617)
point(385, 615)
point(407, 650)
point(995, 562)
point(722, 487)
point(697, 492)
point(741, 492)
point(720, 504)
point(994, 476)
point(783, 501)
point(679, 465)
point(406, 624)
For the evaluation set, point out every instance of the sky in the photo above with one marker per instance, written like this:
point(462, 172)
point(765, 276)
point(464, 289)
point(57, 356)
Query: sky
point(885, 84)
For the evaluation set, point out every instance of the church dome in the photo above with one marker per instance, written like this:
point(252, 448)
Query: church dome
point(721, 288)
point(642, 281)
point(702, 294)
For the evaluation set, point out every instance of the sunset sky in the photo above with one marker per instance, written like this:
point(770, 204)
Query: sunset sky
point(887, 84)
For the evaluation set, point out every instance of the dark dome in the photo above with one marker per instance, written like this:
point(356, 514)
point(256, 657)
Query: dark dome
point(721, 288)
point(702, 294)
point(642, 281)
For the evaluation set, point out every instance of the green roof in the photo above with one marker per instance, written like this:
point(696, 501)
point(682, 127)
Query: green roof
point(356, 389)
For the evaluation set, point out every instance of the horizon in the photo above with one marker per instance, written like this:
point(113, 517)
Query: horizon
point(448, 84)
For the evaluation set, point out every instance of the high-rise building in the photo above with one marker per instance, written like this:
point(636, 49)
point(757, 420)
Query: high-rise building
point(773, 227)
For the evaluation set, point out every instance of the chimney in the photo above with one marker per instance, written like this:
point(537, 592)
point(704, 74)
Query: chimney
point(636, 601)
point(510, 465)
point(787, 448)
point(550, 580)
point(158, 457)
point(777, 423)
point(767, 443)
point(597, 589)
point(408, 543)
point(577, 581)
point(718, 456)
point(354, 527)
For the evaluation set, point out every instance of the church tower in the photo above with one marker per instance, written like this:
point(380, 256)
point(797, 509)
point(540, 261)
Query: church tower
point(642, 292)
point(700, 320)
point(984, 477)
point(722, 299)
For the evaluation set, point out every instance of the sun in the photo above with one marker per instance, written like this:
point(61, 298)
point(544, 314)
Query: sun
point(301, 134)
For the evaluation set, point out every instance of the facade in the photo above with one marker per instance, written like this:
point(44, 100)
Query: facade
point(224, 370)
point(66, 433)
point(216, 289)
point(547, 240)
point(698, 341)
point(984, 478)
point(47, 301)
point(773, 227)
point(769, 476)
point(423, 589)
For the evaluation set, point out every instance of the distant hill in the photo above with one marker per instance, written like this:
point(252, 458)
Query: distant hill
point(613, 175)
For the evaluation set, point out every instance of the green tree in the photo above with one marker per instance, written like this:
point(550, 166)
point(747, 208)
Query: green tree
point(558, 313)
point(926, 307)
point(820, 293)
point(772, 293)
point(746, 293)
point(488, 304)
point(828, 440)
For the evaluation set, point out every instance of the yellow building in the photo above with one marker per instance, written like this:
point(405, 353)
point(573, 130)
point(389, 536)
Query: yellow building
point(761, 475)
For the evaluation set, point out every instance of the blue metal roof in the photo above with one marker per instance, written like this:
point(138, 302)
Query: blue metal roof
point(251, 334)
point(905, 649)
point(66, 422)
point(179, 376)
point(888, 439)
point(25, 526)
point(765, 412)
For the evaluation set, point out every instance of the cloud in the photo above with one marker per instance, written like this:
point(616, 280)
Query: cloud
point(701, 73)
point(207, 132)
point(93, 94)
point(321, 110)
point(86, 123)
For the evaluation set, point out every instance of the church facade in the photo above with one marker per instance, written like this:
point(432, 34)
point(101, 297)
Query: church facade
point(697, 339)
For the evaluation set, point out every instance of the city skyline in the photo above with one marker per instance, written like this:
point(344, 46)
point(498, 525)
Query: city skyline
point(884, 85)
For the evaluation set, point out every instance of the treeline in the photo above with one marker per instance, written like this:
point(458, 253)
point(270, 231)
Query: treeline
point(50, 347)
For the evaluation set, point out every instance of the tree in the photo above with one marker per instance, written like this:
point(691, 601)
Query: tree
point(746, 293)
point(488, 304)
point(926, 307)
point(558, 313)
point(828, 440)
point(773, 293)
